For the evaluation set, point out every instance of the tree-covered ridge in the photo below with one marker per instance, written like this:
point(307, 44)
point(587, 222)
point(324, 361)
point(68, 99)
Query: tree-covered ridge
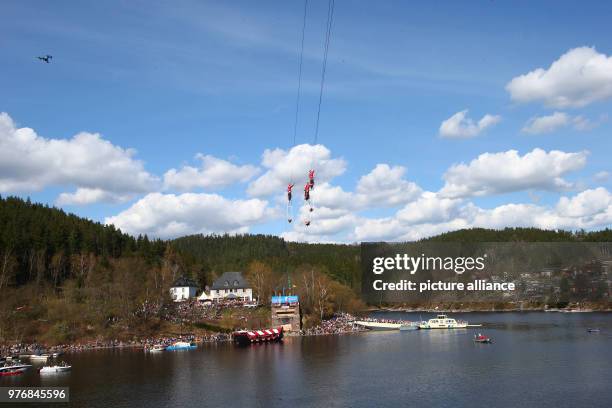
point(65, 278)
point(522, 235)
point(38, 242)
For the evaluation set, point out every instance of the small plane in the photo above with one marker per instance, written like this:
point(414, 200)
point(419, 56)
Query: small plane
point(46, 58)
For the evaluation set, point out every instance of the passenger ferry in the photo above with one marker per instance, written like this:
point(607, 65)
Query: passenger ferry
point(378, 325)
point(443, 322)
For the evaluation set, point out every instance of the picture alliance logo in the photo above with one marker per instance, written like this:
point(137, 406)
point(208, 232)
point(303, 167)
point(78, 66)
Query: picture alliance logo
point(412, 264)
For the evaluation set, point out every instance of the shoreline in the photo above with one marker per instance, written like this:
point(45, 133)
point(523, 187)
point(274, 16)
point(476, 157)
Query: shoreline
point(513, 310)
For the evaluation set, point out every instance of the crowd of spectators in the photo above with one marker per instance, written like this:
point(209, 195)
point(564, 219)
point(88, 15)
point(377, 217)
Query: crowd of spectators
point(340, 323)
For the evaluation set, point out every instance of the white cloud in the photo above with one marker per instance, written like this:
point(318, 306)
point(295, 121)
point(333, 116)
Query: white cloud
point(588, 209)
point(557, 120)
point(579, 77)
point(170, 215)
point(460, 126)
point(29, 162)
point(494, 173)
point(429, 208)
point(214, 173)
point(85, 196)
point(386, 186)
point(293, 165)
point(601, 176)
point(585, 204)
point(546, 124)
point(583, 124)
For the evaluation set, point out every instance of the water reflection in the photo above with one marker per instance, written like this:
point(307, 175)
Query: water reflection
point(537, 359)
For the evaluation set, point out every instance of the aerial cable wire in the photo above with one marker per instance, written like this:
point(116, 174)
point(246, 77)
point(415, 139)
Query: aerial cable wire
point(330, 21)
point(328, 32)
point(297, 108)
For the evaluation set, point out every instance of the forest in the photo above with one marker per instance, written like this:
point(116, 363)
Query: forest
point(64, 278)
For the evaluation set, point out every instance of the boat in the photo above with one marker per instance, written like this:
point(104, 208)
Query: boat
point(378, 325)
point(442, 321)
point(39, 357)
point(58, 368)
point(409, 326)
point(481, 338)
point(593, 330)
point(14, 368)
point(156, 348)
point(182, 345)
point(246, 337)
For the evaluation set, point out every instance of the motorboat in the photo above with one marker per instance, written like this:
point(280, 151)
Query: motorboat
point(593, 330)
point(58, 368)
point(442, 321)
point(14, 368)
point(156, 348)
point(378, 325)
point(181, 345)
point(481, 338)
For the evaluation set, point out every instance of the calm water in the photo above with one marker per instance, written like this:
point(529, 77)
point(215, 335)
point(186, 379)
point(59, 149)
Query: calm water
point(537, 360)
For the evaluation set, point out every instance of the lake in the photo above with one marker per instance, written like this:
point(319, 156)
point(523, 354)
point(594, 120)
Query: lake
point(537, 360)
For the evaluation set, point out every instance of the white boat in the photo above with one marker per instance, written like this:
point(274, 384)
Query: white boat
point(378, 325)
point(39, 357)
point(155, 349)
point(181, 345)
point(13, 369)
point(410, 326)
point(55, 369)
point(443, 322)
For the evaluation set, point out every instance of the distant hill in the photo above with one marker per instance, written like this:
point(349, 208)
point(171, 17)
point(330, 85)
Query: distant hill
point(38, 242)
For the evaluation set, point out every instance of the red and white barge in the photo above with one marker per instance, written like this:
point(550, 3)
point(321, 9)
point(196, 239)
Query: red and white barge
point(246, 337)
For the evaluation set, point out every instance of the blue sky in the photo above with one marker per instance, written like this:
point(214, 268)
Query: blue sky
point(174, 79)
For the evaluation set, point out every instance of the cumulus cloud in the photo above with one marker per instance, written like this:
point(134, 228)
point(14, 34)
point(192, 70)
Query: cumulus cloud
point(588, 209)
point(170, 215)
point(428, 208)
point(578, 78)
point(385, 186)
point(213, 173)
point(494, 173)
point(283, 166)
point(85, 196)
point(29, 162)
point(546, 124)
point(460, 126)
point(585, 204)
point(557, 120)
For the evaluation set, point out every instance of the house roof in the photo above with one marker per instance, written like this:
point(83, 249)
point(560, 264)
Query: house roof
point(230, 280)
point(184, 281)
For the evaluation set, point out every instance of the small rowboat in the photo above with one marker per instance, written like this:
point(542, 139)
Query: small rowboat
point(246, 337)
point(593, 330)
point(480, 338)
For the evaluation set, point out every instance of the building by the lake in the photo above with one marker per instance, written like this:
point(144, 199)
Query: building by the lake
point(183, 289)
point(229, 286)
point(286, 312)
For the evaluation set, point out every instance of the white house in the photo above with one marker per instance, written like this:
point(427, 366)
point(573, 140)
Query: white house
point(183, 289)
point(230, 285)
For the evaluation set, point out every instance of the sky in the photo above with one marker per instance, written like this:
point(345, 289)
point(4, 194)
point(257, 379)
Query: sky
point(174, 118)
